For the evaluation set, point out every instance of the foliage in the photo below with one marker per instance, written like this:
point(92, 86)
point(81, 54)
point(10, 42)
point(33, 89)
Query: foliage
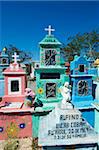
point(82, 43)
point(23, 55)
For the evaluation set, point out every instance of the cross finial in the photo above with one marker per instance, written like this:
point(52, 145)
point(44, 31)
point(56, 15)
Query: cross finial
point(15, 56)
point(49, 29)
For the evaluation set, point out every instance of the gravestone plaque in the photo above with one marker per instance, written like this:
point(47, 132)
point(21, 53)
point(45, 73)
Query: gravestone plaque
point(65, 127)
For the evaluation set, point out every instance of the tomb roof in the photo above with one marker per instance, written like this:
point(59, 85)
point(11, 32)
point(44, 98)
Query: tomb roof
point(14, 69)
point(78, 59)
point(49, 39)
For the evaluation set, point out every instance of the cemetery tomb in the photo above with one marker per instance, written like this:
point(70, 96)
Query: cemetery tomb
point(50, 75)
point(15, 82)
point(15, 118)
point(65, 129)
point(82, 87)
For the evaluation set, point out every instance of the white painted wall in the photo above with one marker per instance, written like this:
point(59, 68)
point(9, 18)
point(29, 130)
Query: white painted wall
point(9, 86)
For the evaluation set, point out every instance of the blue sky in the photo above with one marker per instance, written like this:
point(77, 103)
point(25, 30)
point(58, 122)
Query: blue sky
point(23, 22)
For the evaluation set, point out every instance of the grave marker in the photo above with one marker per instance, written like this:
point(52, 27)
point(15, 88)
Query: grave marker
point(65, 128)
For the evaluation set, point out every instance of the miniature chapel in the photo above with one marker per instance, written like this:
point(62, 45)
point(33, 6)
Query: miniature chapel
point(15, 82)
point(82, 87)
point(50, 75)
point(15, 120)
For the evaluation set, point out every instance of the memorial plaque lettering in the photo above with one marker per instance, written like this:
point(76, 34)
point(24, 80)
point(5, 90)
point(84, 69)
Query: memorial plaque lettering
point(65, 127)
point(70, 126)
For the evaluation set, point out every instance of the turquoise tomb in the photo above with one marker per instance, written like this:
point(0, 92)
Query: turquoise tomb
point(49, 76)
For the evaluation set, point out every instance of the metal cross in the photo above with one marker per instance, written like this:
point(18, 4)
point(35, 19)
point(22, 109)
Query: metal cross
point(49, 30)
point(15, 56)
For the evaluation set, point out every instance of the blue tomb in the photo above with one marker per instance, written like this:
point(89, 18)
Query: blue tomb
point(82, 84)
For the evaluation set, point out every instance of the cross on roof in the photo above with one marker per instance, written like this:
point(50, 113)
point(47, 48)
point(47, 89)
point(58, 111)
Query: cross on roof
point(49, 29)
point(15, 56)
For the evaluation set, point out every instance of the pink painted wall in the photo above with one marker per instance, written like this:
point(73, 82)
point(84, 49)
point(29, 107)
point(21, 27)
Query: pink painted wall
point(15, 125)
point(23, 78)
point(15, 97)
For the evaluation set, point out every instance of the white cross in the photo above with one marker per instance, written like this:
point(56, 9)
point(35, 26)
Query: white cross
point(49, 30)
point(15, 56)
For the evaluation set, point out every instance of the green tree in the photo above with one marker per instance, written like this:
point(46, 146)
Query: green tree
point(23, 55)
point(82, 43)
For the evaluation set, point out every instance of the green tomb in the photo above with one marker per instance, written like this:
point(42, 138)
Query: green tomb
point(50, 76)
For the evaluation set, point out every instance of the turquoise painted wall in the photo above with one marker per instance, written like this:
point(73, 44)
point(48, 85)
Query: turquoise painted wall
point(2, 87)
point(35, 125)
point(41, 84)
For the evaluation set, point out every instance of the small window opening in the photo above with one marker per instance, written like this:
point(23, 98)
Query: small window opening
point(81, 68)
point(15, 86)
